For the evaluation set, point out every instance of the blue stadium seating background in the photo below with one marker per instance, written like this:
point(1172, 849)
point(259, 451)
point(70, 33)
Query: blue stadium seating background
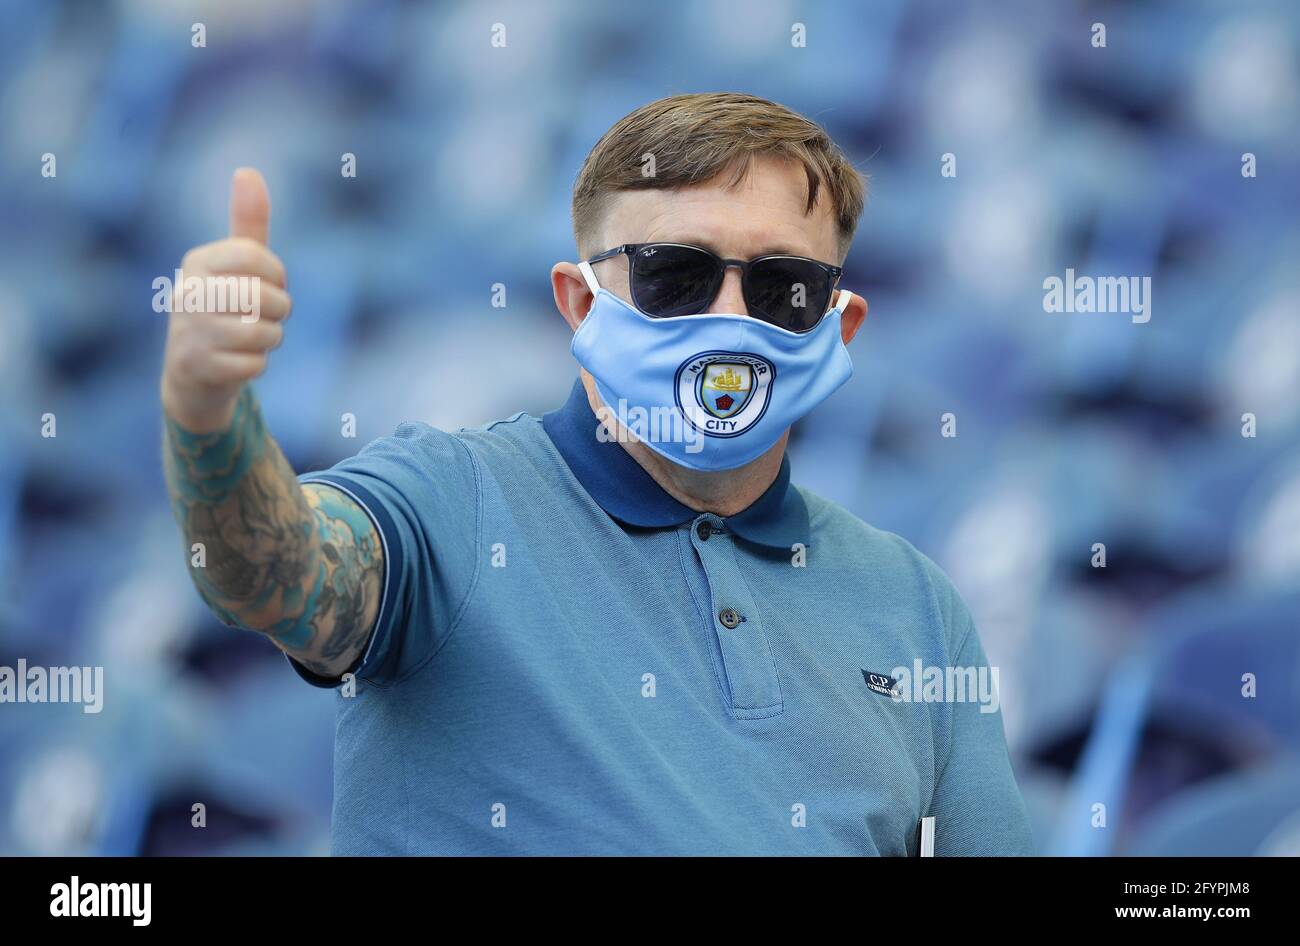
point(1119, 686)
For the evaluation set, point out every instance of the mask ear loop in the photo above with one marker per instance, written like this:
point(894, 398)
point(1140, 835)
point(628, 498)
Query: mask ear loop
point(588, 274)
point(845, 298)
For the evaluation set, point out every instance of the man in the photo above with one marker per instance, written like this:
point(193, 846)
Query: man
point(617, 628)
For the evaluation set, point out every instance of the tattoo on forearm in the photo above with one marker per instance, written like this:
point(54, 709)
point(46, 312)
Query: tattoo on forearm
point(300, 564)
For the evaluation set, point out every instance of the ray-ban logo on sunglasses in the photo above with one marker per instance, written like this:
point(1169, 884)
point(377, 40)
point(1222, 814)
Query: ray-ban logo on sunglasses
point(724, 393)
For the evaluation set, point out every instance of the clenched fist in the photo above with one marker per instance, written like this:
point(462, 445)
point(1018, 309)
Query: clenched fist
point(211, 353)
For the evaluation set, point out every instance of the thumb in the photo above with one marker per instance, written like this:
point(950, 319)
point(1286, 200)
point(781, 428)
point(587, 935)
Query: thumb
point(250, 206)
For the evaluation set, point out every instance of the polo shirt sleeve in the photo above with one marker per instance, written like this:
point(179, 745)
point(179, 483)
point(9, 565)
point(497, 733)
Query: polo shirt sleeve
point(420, 488)
point(977, 806)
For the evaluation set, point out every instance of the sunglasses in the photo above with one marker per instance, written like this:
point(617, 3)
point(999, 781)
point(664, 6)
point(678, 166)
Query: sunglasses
point(671, 279)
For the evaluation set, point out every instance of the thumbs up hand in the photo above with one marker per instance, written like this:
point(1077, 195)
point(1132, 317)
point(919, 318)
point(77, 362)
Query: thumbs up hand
point(226, 314)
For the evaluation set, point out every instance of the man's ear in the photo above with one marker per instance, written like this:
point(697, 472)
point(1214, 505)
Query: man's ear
point(572, 296)
point(851, 319)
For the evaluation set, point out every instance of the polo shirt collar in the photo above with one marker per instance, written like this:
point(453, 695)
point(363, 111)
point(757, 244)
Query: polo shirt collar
point(777, 519)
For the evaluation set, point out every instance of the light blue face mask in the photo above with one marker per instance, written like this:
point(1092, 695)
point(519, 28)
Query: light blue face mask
point(711, 391)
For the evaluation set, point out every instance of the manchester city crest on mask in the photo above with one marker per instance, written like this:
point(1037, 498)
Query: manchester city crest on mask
point(723, 393)
point(725, 388)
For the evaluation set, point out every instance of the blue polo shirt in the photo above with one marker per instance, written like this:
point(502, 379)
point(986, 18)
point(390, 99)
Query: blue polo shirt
point(569, 661)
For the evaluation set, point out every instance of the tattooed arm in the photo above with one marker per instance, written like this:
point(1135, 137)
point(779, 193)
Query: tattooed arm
point(301, 564)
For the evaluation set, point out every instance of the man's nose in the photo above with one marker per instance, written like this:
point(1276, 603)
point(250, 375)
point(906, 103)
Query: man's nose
point(730, 297)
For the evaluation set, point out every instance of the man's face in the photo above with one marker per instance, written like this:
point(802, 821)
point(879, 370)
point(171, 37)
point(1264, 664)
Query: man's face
point(762, 214)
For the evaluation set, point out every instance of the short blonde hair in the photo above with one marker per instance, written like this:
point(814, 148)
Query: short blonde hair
point(698, 137)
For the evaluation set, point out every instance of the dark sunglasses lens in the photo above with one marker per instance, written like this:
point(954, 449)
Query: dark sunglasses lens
point(789, 292)
point(672, 280)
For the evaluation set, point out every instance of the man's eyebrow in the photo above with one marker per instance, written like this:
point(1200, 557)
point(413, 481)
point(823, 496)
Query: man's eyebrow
point(768, 250)
point(690, 241)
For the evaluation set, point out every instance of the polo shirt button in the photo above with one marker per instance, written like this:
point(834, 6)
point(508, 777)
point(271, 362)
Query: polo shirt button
point(704, 530)
point(729, 618)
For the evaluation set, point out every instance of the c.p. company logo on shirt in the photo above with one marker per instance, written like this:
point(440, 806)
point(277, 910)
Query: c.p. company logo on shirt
point(724, 393)
point(881, 683)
